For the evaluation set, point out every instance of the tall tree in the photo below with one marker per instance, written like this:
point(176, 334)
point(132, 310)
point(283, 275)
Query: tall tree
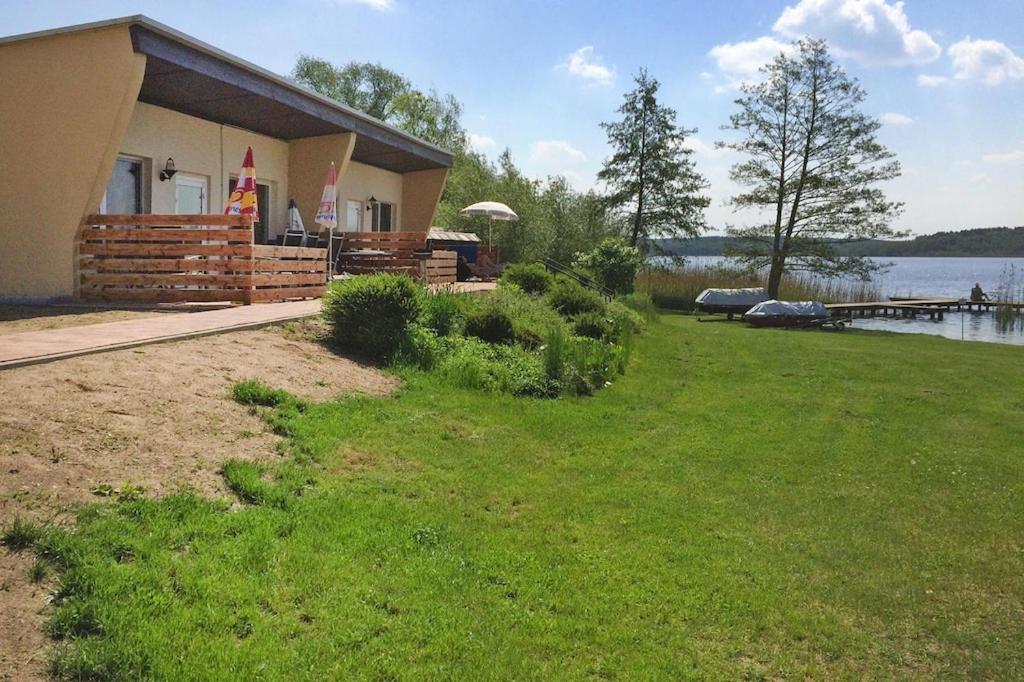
point(650, 172)
point(813, 164)
point(388, 96)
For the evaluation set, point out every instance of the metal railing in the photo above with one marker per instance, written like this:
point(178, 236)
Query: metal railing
point(562, 269)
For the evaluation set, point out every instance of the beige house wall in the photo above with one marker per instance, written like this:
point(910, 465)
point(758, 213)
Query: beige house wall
point(64, 105)
point(309, 160)
point(361, 182)
point(206, 149)
point(421, 193)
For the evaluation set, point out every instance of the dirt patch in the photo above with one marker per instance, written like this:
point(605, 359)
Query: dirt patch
point(160, 416)
point(22, 640)
point(29, 318)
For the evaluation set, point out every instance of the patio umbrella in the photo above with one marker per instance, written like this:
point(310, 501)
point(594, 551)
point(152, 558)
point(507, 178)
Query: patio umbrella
point(327, 214)
point(243, 198)
point(294, 224)
point(489, 209)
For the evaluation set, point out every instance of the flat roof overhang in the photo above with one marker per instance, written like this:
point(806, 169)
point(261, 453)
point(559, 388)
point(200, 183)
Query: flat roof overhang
point(196, 79)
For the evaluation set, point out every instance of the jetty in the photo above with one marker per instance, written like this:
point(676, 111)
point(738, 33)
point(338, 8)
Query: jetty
point(899, 306)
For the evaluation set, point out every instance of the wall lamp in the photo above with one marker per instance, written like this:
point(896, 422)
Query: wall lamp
point(169, 170)
point(370, 202)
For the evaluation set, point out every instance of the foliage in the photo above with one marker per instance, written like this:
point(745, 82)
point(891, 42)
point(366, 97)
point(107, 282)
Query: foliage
point(369, 314)
point(443, 312)
point(20, 534)
point(613, 264)
point(531, 317)
point(253, 392)
point(813, 164)
point(387, 96)
point(641, 303)
point(533, 278)
point(570, 298)
point(678, 288)
point(650, 172)
point(491, 324)
point(473, 363)
point(593, 326)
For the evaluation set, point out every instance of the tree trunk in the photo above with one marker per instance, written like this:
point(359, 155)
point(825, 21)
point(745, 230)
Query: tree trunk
point(775, 274)
point(638, 223)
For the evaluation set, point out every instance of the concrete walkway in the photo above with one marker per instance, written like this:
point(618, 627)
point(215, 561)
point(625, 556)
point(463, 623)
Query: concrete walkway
point(27, 348)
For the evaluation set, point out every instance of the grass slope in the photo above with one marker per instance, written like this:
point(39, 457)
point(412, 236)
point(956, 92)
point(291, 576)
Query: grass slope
point(743, 503)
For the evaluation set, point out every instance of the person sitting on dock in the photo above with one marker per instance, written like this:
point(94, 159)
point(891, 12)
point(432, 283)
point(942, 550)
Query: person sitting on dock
point(978, 294)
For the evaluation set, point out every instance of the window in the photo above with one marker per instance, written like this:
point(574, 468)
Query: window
point(382, 216)
point(125, 188)
point(261, 228)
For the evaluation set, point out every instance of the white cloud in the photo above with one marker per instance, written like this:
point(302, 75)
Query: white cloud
point(891, 118)
point(927, 81)
point(584, 64)
point(870, 31)
point(740, 62)
point(702, 148)
point(706, 75)
point(481, 143)
point(556, 151)
point(988, 61)
point(379, 5)
point(1004, 157)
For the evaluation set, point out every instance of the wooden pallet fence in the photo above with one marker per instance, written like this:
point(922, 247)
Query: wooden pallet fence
point(441, 267)
point(155, 258)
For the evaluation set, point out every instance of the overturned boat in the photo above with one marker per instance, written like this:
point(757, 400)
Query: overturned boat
point(788, 314)
point(730, 301)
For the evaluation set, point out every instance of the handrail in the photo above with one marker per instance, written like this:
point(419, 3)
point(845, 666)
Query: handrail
point(580, 279)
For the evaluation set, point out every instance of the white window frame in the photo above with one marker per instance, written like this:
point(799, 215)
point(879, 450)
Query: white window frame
point(349, 204)
point(193, 180)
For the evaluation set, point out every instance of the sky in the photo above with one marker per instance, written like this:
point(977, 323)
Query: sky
point(945, 77)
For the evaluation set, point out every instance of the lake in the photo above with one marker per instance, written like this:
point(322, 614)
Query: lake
point(941, 277)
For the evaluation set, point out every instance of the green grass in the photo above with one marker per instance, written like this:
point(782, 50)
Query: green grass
point(741, 504)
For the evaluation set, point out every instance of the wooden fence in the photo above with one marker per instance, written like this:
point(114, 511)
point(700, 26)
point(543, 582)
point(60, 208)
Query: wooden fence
point(183, 258)
point(398, 252)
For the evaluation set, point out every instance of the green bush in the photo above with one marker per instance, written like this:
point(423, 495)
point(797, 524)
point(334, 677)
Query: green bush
point(254, 392)
point(613, 264)
point(488, 367)
point(642, 304)
point(533, 278)
point(491, 324)
point(369, 314)
point(570, 298)
point(442, 312)
point(593, 326)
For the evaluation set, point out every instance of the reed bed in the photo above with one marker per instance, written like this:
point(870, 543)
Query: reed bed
point(676, 288)
point(1009, 295)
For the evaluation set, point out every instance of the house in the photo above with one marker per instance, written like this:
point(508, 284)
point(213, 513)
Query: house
point(131, 116)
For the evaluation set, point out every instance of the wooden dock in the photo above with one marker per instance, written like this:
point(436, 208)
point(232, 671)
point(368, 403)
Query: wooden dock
point(934, 307)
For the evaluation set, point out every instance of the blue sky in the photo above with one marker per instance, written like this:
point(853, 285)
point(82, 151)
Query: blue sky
point(946, 76)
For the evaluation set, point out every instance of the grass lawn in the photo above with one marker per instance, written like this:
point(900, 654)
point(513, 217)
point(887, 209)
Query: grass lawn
point(742, 504)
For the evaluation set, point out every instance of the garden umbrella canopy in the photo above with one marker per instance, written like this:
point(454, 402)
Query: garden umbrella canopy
point(490, 209)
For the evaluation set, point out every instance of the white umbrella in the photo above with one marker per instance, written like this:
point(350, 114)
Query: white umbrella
point(327, 214)
point(489, 209)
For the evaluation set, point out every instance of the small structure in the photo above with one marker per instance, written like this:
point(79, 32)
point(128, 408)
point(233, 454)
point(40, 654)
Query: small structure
point(730, 301)
point(787, 314)
point(465, 244)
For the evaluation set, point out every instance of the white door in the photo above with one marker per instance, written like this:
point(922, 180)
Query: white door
point(190, 194)
point(354, 216)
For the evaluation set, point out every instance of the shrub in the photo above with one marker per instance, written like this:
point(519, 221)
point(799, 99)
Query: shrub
point(533, 278)
point(613, 264)
point(369, 314)
point(491, 324)
point(642, 304)
point(593, 326)
point(508, 369)
point(442, 312)
point(554, 355)
point(254, 392)
point(570, 298)
point(422, 347)
point(20, 534)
